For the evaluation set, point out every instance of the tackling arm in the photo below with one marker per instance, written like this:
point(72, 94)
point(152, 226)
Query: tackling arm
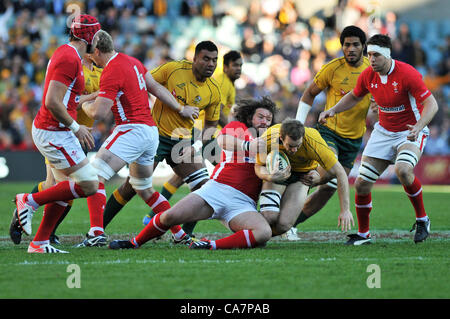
point(99, 108)
point(167, 98)
point(346, 103)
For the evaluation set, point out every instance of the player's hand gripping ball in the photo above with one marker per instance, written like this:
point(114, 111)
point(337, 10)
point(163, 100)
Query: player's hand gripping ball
point(276, 160)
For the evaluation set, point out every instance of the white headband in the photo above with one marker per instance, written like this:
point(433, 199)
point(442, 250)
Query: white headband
point(386, 52)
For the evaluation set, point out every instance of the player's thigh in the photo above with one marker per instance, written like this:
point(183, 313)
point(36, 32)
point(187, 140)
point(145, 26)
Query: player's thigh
point(292, 203)
point(190, 208)
point(112, 160)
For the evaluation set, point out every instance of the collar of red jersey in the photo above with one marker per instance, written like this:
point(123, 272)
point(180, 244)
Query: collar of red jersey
point(111, 58)
point(74, 49)
point(384, 78)
point(392, 67)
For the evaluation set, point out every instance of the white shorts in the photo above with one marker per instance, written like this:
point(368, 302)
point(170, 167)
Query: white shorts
point(134, 143)
point(226, 201)
point(61, 148)
point(384, 144)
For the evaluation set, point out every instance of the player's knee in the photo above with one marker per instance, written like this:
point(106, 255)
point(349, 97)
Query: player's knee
point(362, 186)
point(88, 187)
point(168, 219)
point(86, 177)
point(262, 234)
point(283, 227)
point(403, 171)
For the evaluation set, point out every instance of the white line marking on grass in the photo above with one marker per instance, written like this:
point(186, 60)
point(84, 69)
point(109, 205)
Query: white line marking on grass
point(217, 261)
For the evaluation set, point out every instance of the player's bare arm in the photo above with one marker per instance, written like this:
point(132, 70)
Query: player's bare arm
point(167, 98)
point(306, 102)
point(234, 144)
point(87, 97)
point(346, 103)
point(276, 176)
point(345, 218)
point(430, 108)
point(99, 108)
point(53, 102)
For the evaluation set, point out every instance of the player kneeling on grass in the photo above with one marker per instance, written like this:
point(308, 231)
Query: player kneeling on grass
point(284, 191)
point(231, 193)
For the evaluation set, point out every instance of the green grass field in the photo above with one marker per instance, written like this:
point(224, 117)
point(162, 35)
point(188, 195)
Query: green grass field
point(318, 266)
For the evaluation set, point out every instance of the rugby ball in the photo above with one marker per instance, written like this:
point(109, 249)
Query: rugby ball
point(276, 159)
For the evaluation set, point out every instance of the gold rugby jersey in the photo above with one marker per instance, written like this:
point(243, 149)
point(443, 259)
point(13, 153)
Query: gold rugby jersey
point(178, 78)
point(314, 150)
point(340, 78)
point(91, 84)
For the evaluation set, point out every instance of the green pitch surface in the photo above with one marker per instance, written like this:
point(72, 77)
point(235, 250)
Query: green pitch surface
point(317, 266)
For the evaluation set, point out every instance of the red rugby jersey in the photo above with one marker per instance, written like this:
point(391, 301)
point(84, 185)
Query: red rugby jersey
point(399, 94)
point(65, 67)
point(123, 82)
point(237, 169)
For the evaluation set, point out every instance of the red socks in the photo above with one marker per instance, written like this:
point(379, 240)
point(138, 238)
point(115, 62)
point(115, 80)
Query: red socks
point(159, 204)
point(153, 229)
point(63, 191)
point(52, 213)
point(241, 239)
point(96, 204)
point(414, 192)
point(363, 205)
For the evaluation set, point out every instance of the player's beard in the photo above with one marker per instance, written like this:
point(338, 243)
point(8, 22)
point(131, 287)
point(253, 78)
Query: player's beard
point(355, 59)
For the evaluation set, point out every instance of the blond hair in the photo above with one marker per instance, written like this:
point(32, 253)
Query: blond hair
point(103, 41)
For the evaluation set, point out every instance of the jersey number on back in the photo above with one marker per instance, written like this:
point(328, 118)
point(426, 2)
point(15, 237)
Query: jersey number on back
point(141, 80)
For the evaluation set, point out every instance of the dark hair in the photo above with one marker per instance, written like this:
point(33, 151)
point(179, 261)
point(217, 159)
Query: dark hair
point(353, 31)
point(380, 40)
point(246, 109)
point(292, 128)
point(206, 45)
point(231, 56)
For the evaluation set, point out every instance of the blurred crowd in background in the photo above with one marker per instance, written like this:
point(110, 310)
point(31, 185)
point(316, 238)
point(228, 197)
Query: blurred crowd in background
point(282, 51)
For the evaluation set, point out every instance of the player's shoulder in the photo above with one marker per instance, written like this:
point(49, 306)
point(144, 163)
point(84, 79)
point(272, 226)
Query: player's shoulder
point(232, 127)
point(273, 131)
point(67, 54)
point(366, 61)
point(405, 68)
point(311, 132)
point(179, 65)
point(333, 64)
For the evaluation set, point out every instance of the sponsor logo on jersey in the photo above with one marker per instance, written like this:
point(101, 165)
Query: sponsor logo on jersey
point(392, 109)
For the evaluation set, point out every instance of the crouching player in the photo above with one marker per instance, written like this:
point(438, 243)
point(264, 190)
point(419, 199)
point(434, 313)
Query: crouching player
point(284, 191)
point(232, 191)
